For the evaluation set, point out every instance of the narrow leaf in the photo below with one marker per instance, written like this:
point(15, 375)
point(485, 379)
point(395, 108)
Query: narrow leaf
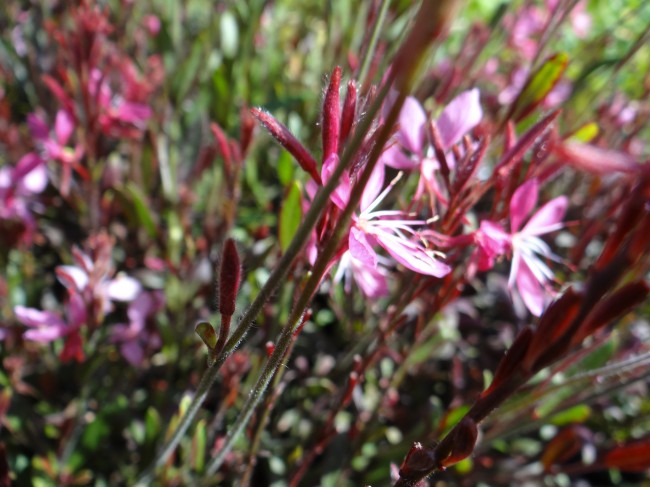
point(290, 215)
point(539, 85)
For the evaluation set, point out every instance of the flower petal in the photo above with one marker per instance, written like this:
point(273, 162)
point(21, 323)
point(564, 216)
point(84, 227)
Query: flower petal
point(548, 218)
point(530, 290)
point(63, 127)
point(411, 255)
point(411, 125)
point(394, 157)
point(460, 116)
point(360, 248)
point(72, 277)
point(132, 352)
point(341, 194)
point(37, 317)
point(123, 288)
point(374, 185)
point(371, 281)
point(522, 203)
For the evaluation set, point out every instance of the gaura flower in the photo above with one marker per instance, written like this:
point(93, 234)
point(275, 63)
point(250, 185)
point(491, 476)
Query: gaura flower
point(390, 229)
point(459, 117)
point(529, 273)
point(47, 326)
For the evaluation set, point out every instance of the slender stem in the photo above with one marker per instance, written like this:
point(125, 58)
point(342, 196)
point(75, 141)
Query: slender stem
point(372, 45)
point(318, 272)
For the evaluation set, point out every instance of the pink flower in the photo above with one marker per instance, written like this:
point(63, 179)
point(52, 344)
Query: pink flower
point(459, 117)
point(46, 326)
point(529, 273)
point(17, 187)
point(389, 229)
point(56, 147)
point(92, 279)
point(134, 338)
point(119, 116)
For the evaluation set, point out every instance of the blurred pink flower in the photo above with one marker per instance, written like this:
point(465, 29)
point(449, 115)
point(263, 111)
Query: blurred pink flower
point(17, 186)
point(55, 146)
point(46, 326)
point(92, 279)
point(134, 339)
point(119, 116)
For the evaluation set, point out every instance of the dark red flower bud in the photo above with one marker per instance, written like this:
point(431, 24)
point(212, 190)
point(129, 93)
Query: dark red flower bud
point(332, 115)
point(229, 278)
point(349, 112)
point(289, 142)
point(458, 444)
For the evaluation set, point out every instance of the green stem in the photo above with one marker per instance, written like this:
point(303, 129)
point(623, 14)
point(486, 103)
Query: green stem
point(372, 45)
point(318, 272)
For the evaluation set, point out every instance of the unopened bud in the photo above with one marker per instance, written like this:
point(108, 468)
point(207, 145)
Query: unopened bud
point(332, 115)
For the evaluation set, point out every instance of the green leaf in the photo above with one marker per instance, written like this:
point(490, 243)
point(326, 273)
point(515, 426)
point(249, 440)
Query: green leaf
point(141, 209)
point(539, 85)
point(198, 445)
point(290, 215)
point(576, 414)
point(286, 168)
point(206, 331)
point(586, 133)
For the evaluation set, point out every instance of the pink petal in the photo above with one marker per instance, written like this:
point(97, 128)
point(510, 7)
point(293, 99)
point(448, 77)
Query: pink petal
point(459, 117)
point(548, 218)
point(394, 157)
point(123, 288)
point(35, 181)
point(530, 290)
point(135, 113)
point(26, 164)
point(341, 194)
point(140, 308)
point(596, 160)
point(44, 335)
point(132, 352)
point(37, 126)
point(371, 281)
point(411, 125)
point(411, 255)
point(63, 127)
point(374, 186)
point(360, 249)
point(72, 277)
point(36, 317)
point(522, 203)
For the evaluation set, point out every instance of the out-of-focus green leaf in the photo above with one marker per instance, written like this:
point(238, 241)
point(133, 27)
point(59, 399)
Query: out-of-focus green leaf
point(152, 424)
point(286, 168)
point(290, 215)
point(141, 209)
point(198, 446)
point(586, 133)
point(539, 85)
point(576, 414)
